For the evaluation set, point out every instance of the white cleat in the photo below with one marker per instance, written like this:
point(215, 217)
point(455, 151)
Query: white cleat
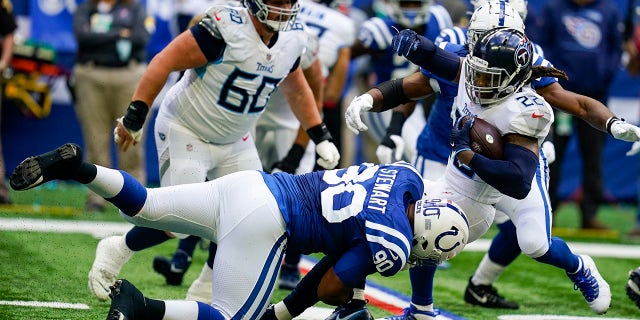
point(111, 255)
point(202, 288)
point(593, 287)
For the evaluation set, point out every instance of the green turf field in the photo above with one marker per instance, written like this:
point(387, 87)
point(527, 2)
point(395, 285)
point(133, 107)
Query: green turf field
point(52, 267)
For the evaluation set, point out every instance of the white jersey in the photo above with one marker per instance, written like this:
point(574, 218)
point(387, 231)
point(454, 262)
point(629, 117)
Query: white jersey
point(334, 31)
point(221, 101)
point(524, 112)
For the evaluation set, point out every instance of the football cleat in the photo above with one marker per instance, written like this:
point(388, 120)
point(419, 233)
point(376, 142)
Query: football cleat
point(633, 286)
point(127, 302)
point(61, 163)
point(353, 310)
point(487, 296)
point(593, 287)
point(110, 257)
point(412, 313)
point(201, 289)
point(269, 314)
point(173, 270)
point(289, 277)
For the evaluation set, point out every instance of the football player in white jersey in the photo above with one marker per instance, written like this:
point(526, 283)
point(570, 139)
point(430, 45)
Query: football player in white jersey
point(277, 128)
point(469, 174)
point(435, 137)
point(367, 218)
point(234, 58)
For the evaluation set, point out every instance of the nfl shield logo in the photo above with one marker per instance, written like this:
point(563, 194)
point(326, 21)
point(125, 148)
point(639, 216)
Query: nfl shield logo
point(268, 56)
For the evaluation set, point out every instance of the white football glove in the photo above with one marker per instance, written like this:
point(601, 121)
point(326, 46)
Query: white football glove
point(136, 135)
point(390, 155)
point(625, 131)
point(549, 150)
point(358, 106)
point(635, 148)
point(329, 155)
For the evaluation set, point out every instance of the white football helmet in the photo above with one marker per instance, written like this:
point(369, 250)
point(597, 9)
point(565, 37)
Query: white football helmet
point(440, 231)
point(285, 16)
point(493, 14)
point(410, 13)
point(519, 5)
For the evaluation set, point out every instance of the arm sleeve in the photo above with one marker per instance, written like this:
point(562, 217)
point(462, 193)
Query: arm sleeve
point(354, 265)
point(512, 176)
point(212, 46)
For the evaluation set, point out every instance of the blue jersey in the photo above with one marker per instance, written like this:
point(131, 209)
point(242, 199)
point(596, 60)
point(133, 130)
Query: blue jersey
point(376, 35)
point(433, 142)
point(362, 206)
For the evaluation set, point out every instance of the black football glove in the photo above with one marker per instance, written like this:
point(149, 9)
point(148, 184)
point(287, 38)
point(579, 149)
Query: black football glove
point(291, 161)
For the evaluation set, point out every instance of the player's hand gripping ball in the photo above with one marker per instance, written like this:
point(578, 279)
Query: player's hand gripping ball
point(485, 139)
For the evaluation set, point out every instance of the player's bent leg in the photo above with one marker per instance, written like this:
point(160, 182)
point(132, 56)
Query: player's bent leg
point(61, 163)
point(593, 287)
point(111, 254)
point(633, 286)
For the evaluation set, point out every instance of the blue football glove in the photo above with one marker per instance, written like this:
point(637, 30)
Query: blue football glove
point(405, 42)
point(460, 135)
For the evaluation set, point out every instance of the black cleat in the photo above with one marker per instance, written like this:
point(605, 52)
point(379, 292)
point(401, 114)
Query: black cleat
point(269, 314)
point(487, 296)
point(61, 163)
point(633, 286)
point(353, 310)
point(127, 302)
point(173, 270)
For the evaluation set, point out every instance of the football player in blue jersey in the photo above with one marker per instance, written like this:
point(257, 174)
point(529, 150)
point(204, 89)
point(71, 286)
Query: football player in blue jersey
point(235, 57)
point(367, 218)
point(374, 40)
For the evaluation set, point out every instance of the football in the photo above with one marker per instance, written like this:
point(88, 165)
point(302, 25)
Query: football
point(485, 139)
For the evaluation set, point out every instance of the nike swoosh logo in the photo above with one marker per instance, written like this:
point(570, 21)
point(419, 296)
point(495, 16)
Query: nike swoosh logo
point(352, 315)
point(176, 270)
point(245, 138)
point(393, 255)
point(215, 15)
point(536, 115)
point(480, 299)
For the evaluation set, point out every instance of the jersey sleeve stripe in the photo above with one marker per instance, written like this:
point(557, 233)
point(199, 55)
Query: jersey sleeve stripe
point(382, 229)
point(390, 246)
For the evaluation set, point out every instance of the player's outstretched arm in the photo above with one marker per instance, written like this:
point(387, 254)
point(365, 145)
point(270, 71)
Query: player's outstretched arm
point(387, 95)
point(591, 111)
point(424, 53)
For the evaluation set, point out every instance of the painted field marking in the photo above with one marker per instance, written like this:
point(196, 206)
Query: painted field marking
point(46, 304)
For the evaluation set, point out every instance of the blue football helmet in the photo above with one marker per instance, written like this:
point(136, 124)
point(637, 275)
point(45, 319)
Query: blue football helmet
point(499, 65)
point(410, 13)
point(285, 16)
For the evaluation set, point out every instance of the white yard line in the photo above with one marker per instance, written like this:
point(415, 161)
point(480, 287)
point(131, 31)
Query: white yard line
point(46, 304)
point(101, 229)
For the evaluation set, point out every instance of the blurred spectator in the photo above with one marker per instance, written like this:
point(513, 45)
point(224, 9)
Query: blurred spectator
point(632, 48)
point(111, 39)
point(583, 38)
point(7, 28)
